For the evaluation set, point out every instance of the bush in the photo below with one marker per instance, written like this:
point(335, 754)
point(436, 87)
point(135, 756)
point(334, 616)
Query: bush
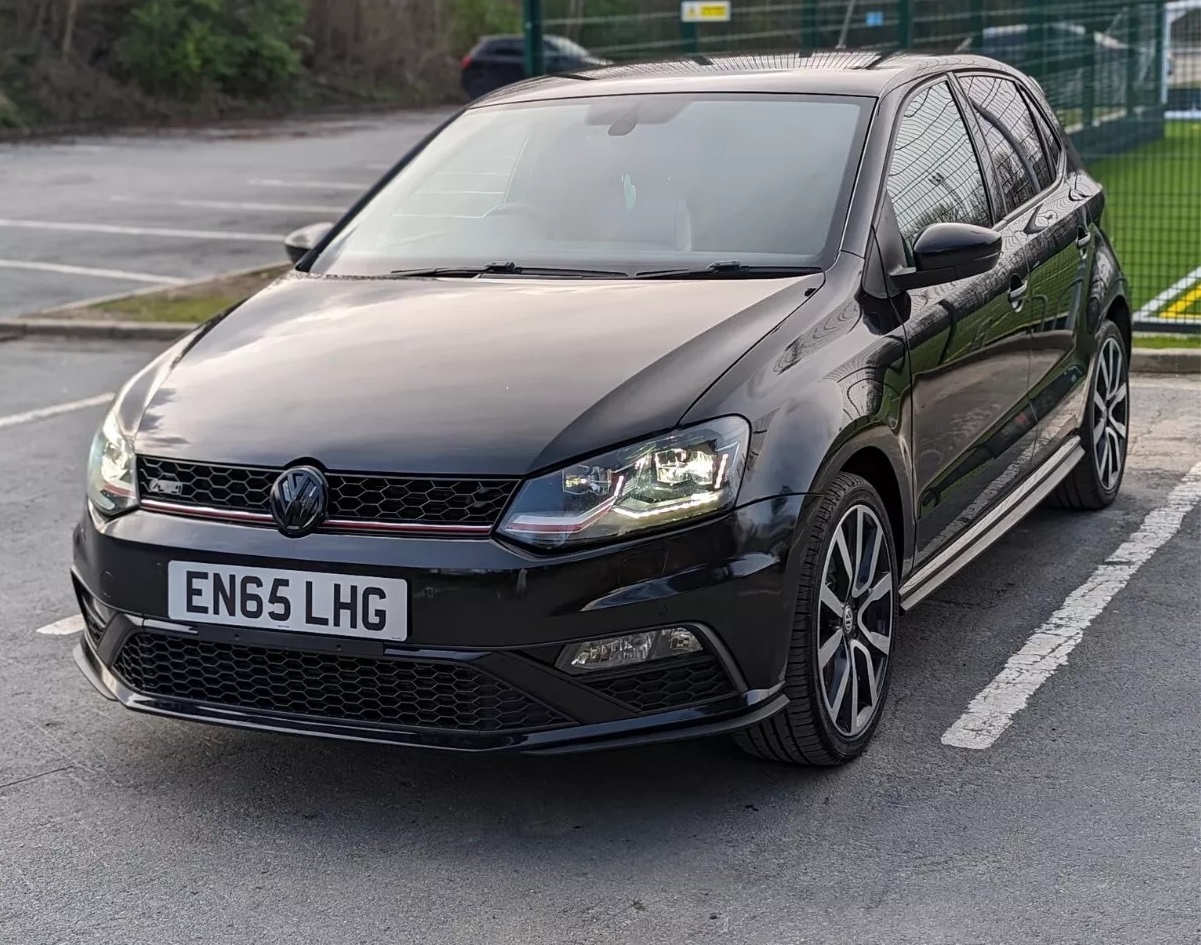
point(187, 48)
point(471, 19)
point(9, 118)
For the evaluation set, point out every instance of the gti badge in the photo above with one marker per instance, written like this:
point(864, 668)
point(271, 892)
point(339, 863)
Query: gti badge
point(166, 485)
point(299, 500)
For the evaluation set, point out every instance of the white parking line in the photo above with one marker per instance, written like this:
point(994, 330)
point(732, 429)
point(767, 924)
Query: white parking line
point(89, 271)
point(1166, 296)
point(992, 711)
point(43, 412)
point(311, 185)
point(237, 205)
point(62, 628)
point(141, 231)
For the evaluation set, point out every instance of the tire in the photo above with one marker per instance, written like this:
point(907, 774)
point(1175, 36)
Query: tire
point(817, 727)
point(1095, 481)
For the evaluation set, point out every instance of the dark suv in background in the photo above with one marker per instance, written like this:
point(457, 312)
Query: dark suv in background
point(497, 61)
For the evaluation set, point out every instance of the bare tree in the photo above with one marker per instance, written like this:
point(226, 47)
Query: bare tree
point(69, 27)
point(575, 18)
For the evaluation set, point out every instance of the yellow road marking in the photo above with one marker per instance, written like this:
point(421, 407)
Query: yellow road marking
point(1179, 308)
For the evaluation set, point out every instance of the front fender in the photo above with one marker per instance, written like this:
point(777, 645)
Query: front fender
point(827, 390)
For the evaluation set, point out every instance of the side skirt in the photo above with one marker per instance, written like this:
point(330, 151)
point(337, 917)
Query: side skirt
point(991, 526)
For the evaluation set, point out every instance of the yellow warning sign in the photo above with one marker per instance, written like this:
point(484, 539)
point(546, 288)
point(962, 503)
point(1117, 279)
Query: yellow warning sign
point(705, 11)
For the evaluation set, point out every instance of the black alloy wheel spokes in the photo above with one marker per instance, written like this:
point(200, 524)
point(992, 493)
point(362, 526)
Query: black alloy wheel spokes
point(855, 621)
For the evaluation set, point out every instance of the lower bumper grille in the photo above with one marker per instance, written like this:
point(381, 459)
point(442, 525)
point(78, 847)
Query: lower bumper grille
point(94, 621)
point(329, 686)
point(668, 687)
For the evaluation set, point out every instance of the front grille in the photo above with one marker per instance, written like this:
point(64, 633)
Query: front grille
point(329, 686)
point(668, 687)
point(395, 500)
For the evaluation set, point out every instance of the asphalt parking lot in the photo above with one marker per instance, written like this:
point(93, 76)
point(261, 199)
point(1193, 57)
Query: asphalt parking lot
point(104, 216)
point(1078, 823)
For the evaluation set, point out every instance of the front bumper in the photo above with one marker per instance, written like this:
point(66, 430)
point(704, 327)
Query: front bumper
point(487, 622)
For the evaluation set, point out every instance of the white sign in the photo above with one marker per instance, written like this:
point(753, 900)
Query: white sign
point(705, 11)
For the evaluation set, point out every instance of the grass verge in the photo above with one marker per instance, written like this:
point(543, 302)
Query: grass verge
point(185, 305)
point(1153, 210)
point(1167, 341)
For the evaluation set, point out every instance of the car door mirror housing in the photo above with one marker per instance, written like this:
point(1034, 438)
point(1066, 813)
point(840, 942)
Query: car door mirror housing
point(945, 252)
point(299, 242)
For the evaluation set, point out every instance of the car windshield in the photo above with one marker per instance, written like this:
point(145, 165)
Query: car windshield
point(623, 184)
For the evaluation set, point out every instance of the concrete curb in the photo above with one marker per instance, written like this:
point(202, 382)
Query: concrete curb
point(1144, 361)
point(49, 322)
point(58, 310)
point(69, 328)
point(1166, 361)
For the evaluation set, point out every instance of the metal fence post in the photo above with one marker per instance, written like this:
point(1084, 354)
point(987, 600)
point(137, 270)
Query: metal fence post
point(1034, 58)
point(535, 53)
point(1133, 54)
point(976, 24)
point(1161, 52)
point(905, 24)
point(690, 38)
point(810, 34)
point(1088, 104)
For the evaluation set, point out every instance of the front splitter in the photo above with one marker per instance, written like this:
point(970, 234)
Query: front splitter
point(728, 715)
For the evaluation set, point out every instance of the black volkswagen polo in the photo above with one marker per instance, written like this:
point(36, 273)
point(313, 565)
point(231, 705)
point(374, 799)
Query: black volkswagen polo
point(631, 405)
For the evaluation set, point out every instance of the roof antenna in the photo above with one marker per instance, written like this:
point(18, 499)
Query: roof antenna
point(846, 25)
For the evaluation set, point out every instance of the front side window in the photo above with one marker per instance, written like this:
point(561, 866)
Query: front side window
point(934, 176)
point(1023, 169)
point(1050, 136)
point(622, 183)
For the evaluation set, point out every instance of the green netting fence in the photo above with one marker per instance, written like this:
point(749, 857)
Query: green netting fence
point(1125, 78)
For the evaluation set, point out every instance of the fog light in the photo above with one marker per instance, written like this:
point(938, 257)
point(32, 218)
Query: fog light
point(595, 655)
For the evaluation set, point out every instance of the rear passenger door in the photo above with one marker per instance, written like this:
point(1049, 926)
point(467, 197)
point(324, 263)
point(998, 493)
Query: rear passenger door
point(968, 352)
point(1031, 170)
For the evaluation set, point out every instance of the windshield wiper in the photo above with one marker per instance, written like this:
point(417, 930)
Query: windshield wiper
point(729, 269)
point(459, 272)
point(507, 269)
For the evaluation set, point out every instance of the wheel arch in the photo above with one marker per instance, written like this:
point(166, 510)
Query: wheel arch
point(1119, 313)
point(871, 463)
point(876, 454)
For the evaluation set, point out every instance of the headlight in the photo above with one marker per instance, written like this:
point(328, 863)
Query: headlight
point(112, 487)
point(670, 479)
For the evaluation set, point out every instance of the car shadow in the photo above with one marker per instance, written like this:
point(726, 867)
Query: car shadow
point(620, 807)
point(643, 802)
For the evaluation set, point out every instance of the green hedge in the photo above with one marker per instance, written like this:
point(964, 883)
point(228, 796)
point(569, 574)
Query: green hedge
point(187, 48)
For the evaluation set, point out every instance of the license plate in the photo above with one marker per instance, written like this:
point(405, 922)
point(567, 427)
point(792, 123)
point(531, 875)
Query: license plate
point(299, 601)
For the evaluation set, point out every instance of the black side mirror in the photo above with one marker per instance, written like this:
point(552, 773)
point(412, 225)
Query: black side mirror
point(299, 242)
point(945, 252)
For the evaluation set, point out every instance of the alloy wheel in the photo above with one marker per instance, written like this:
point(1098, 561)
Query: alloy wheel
point(1111, 407)
point(855, 621)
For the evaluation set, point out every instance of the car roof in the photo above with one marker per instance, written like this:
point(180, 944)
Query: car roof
point(509, 37)
point(838, 72)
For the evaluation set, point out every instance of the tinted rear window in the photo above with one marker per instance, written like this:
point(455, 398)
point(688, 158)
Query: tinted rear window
point(503, 47)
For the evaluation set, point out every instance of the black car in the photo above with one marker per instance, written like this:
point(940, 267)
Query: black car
point(620, 410)
point(497, 61)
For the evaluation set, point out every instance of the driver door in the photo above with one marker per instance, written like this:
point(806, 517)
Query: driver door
point(971, 420)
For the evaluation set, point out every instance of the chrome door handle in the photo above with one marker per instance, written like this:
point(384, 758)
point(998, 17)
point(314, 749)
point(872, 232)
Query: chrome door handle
point(1017, 293)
